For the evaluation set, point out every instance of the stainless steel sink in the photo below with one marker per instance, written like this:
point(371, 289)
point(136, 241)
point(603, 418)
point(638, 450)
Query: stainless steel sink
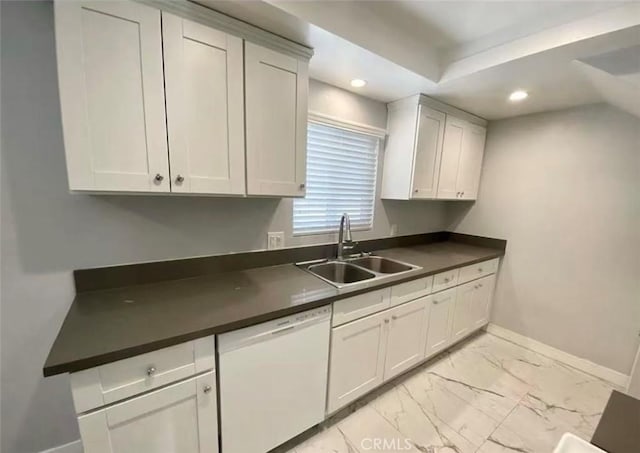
point(381, 265)
point(353, 271)
point(340, 273)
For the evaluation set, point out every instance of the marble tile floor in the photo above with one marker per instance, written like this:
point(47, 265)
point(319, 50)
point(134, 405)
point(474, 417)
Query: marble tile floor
point(487, 395)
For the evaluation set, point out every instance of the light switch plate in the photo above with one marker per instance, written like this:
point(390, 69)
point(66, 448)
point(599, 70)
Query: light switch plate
point(275, 240)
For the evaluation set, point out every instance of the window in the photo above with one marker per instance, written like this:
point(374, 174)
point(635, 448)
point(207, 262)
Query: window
point(341, 177)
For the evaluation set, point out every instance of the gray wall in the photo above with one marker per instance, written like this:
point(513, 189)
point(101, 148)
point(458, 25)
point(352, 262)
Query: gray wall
point(564, 189)
point(47, 232)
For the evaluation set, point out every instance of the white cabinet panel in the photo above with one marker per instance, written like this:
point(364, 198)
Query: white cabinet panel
point(407, 336)
point(112, 96)
point(462, 317)
point(428, 150)
point(405, 292)
point(357, 359)
point(471, 161)
point(125, 378)
point(179, 418)
point(205, 114)
point(359, 306)
point(476, 271)
point(445, 280)
point(440, 321)
point(461, 161)
point(481, 305)
point(451, 152)
point(276, 89)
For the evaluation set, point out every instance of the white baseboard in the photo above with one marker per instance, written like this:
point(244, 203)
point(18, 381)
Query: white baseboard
point(71, 447)
point(613, 376)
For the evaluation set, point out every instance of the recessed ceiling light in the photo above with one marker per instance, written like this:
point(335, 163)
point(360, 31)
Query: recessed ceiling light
point(358, 83)
point(518, 95)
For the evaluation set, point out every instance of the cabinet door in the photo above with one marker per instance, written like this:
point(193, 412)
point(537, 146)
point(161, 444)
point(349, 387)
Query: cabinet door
point(481, 305)
point(179, 418)
point(440, 321)
point(407, 336)
point(451, 153)
point(462, 316)
point(471, 161)
point(428, 151)
point(357, 359)
point(112, 96)
point(205, 115)
point(276, 88)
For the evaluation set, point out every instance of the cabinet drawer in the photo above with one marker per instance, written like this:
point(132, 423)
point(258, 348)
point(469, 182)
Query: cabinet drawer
point(115, 381)
point(408, 291)
point(478, 270)
point(346, 310)
point(445, 280)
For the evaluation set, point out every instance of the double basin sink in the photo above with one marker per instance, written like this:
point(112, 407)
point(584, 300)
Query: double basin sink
point(342, 273)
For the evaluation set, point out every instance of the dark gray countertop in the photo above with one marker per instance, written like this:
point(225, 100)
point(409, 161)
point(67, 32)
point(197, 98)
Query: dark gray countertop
point(108, 325)
point(619, 428)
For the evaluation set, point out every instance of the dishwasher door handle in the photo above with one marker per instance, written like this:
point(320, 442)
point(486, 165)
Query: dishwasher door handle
point(284, 329)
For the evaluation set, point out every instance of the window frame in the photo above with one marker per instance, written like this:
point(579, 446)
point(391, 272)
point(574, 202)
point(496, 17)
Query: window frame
point(355, 127)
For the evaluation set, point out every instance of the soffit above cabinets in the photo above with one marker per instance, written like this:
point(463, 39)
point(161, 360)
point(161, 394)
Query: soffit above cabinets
point(468, 54)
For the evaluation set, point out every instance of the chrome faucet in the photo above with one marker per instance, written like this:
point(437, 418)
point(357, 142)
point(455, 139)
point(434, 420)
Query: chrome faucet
point(344, 237)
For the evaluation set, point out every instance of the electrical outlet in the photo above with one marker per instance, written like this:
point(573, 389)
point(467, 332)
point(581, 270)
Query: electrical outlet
point(394, 230)
point(275, 240)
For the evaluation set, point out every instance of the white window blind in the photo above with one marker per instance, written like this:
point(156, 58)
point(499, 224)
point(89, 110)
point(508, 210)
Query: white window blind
point(341, 177)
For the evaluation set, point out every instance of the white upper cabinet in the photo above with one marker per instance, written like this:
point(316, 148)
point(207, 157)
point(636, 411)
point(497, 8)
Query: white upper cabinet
point(461, 160)
point(276, 87)
point(470, 164)
point(412, 154)
point(112, 96)
point(430, 152)
point(205, 114)
point(235, 117)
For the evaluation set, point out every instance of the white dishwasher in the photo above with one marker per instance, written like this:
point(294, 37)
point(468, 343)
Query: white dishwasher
point(273, 380)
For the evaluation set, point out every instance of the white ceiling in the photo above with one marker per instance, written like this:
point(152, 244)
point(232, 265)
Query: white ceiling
point(471, 54)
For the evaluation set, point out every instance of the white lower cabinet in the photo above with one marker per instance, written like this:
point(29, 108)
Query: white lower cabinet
point(440, 321)
point(481, 305)
point(407, 336)
point(462, 322)
point(179, 418)
point(357, 359)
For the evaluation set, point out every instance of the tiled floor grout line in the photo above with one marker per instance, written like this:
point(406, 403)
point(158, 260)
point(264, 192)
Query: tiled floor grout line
point(503, 420)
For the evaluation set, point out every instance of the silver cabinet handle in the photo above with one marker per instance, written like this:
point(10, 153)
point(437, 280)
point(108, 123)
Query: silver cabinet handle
point(151, 371)
point(479, 269)
point(480, 285)
point(302, 186)
point(179, 179)
point(417, 190)
point(206, 389)
point(158, 178)
point(446, 280)
point(394, 317)
point(435, 302)
point(386, 321)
